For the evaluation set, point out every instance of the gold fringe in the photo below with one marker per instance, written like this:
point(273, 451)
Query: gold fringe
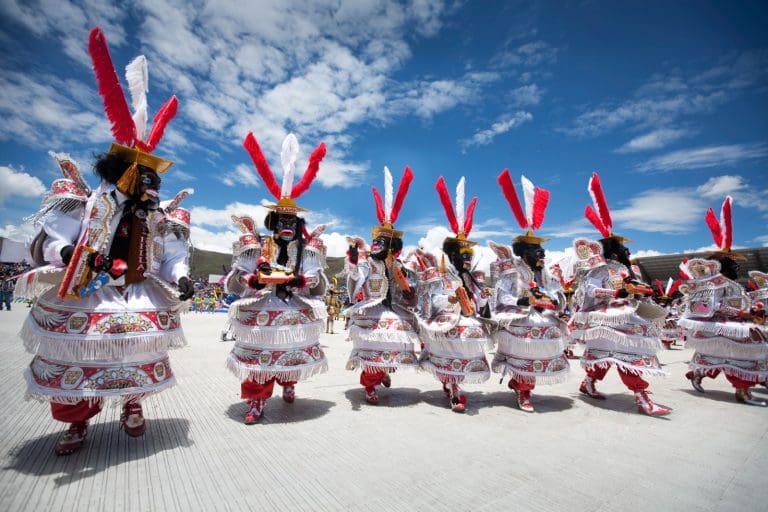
point(129, 181)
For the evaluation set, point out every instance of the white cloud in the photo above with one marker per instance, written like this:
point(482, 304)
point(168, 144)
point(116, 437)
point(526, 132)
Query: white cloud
point(241, 175)
point(660, 211)
point(526, 95)
point(503, 125)
point(18, 184)
point(654, 140)
point(21, 233)
point(705, 157)
point(762, 240)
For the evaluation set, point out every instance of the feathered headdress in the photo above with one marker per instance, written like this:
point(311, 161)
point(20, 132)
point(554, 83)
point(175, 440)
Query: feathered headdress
point(286, 193)
point(536, 201)
point(387, 212)
point(174, 213)
point(722, 230)
point(666, 292)
point(250, 238)
point(461, 223)
point(129, 129)
point(600, 216)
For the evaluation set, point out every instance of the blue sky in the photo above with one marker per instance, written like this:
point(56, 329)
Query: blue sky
point(668, 101)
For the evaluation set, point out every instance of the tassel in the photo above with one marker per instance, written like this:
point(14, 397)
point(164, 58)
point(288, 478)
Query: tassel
point(129, 181)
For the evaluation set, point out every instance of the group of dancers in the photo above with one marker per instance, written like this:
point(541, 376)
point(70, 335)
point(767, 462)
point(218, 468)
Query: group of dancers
point(112, 280)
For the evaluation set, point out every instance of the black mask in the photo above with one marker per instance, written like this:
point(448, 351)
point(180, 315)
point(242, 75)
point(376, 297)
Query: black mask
point(286, 227)
point(148, 188)
point(380, 247)
point(729, 268)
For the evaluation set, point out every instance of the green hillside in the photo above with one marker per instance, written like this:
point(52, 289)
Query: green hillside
point(208, 262)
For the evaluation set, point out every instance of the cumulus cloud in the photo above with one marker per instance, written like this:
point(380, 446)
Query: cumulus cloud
point(15, 183)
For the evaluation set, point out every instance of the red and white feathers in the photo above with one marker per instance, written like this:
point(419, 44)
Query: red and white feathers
point(536, 201)
point(722, 229)
point(670, 288)
point(127, 129)
point(459, 220)
point(288, 157)
point(600, 216)
point(388, 211)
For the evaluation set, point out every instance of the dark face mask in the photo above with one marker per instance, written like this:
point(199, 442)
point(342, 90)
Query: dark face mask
point(149, 186)
point(286, 228)
point(729, 268)
point(380, 248)
point(462, 259)
point(534, 256)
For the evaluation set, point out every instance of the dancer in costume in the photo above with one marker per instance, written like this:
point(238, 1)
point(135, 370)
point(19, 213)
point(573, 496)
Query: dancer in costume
point(717, 317)
point(111, 290)
point(381, 327)
point(278, 319)
point(668, 298)
point(453, 306)
point(530, 338)
point(610, 314)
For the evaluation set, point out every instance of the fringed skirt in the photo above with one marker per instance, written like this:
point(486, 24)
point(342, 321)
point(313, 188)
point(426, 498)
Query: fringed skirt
point(276, 338)
point(381, 340)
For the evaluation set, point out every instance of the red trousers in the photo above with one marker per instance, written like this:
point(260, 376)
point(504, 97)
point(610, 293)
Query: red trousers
point(518, 385)
point(79, 412)
point(633, 382)
point(369, 380)
point(251, 390)
point(735, 381)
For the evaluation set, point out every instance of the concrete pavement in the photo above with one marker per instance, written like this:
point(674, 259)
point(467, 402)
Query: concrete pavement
point(331, 451)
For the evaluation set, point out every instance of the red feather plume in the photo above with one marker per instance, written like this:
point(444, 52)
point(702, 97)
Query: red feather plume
point(596, 191)
point(540, 202)
point(379, 206)
point(163, 116)
point(659, 286)
point(402, 190)
point(714, 227)
point(727, 223)
point(508, 189)
point(468, 220)
point(110, 90)
point(592, 217)
point(445, 199)
point(262, 167)
point(752, 285)
point(311, 173)
point(675, 286)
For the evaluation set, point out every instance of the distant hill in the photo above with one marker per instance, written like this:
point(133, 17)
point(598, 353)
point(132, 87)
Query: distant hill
point(209, 262)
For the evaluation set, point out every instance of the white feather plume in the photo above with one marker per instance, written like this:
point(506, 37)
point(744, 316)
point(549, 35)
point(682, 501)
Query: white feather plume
point(528, 192)
point(460, 204)
point(288, 157)
point(137, 76)
point(388, 194)
point(670, 282)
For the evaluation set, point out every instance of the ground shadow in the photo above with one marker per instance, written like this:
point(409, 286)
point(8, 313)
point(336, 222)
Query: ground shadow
point(438, 398)
point(106, 446)
point(277, 411)
point(541, 403)
point(619, 402)
point(714, 394)
point(388, 397)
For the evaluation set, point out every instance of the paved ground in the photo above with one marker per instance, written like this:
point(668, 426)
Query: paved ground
point(331, 451)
